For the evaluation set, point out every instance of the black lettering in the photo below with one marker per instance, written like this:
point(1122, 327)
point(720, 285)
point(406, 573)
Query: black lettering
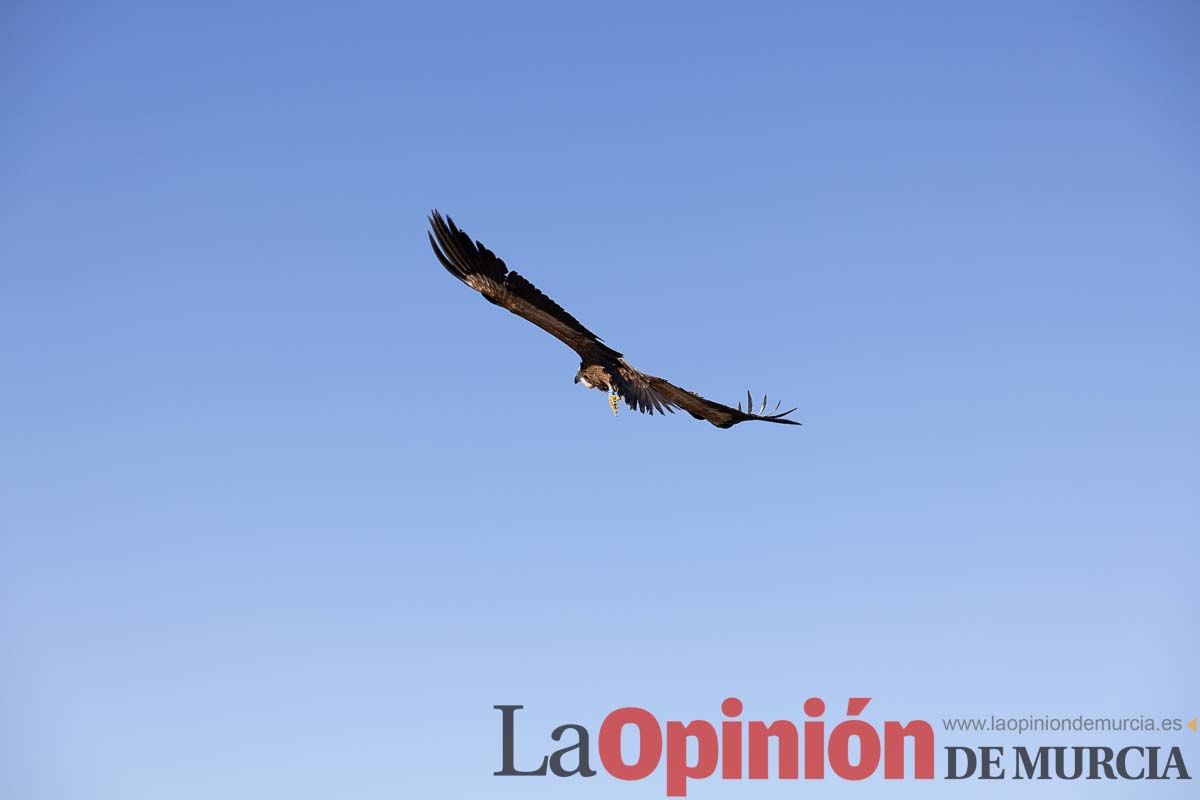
point(509, 768)
point(581, 747)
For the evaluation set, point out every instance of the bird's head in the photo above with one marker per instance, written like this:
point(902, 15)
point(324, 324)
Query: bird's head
point(581, 378)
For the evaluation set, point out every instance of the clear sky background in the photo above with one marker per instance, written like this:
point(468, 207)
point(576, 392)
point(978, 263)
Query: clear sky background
point(286, 509)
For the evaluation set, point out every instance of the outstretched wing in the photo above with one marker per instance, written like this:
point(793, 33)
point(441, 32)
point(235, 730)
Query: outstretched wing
point(648, 394)
point(479, 268)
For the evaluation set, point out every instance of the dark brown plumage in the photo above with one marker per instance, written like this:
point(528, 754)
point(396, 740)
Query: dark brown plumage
point(601, 367)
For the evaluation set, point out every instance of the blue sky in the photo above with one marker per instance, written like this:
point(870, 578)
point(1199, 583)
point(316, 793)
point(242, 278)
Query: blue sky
point(286, 509)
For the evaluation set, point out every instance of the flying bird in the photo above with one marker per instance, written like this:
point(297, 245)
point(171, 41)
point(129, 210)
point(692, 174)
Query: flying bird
point(600, 366)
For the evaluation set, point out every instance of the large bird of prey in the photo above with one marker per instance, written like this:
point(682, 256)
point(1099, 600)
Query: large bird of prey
point(600, 366)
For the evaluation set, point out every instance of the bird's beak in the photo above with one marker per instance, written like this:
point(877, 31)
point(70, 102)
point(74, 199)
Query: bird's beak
point(576, 379)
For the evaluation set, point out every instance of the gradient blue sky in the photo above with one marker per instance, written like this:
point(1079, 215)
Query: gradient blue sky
point(286, 510)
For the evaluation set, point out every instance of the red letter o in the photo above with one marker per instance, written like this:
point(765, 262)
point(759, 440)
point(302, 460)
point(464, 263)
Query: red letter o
point(649, 743)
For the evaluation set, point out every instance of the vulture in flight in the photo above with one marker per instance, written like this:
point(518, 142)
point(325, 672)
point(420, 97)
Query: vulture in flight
point(600, 366)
